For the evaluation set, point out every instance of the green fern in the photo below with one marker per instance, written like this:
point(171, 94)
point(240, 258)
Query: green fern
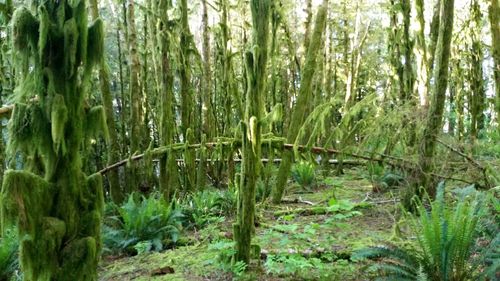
point(304, 174)
point(142, 224)
point(445, 244)
point(207, 206)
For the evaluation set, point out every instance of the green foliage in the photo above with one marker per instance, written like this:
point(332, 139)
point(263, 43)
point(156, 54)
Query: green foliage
point(444, 249)
point(383, 179)
point(293, 264)
point(208, 206)
point(142, 224)
point(342, 209)
point(9, 246)
point(224, 252)
point(304, 174)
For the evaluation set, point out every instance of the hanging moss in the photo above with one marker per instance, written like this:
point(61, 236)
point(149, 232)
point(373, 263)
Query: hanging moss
point(70, 45)
point(43, 30)
point(24, 30)
point(96, 123)
point(59, 117)
point(95, 47)
point(58, 209)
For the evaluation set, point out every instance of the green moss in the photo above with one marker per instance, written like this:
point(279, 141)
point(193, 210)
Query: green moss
point(70, 45)
point(43, 30)
point(95, 47)
point(27, 197)
point(24, 30)
point(58, 209)
point(96, 123)
point(59, 117)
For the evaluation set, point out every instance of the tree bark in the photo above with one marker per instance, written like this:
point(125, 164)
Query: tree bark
point(435, 117)
point(136, 114)
point(107, 99)
point(256, 62)
point(305, 93)
point(494, 15)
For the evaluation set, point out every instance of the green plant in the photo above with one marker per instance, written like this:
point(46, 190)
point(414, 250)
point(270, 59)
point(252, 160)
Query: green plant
point(291, 264)
point(382, 179)
point(224, 251)
point(444, 247)
point(8, 254)
point(143, 224)
point(208, 206)
point(304, 174)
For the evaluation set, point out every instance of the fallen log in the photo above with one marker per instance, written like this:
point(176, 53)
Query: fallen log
point(277, 143)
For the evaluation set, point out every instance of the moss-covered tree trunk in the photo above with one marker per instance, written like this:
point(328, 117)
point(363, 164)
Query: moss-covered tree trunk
point(208, 114)
point(6, 80)
point(421, 56)
point(494, 16)
point(435, 117)
point(433, 38)
point(58, 209)
point(107, 99)
point(168, 165)
point(305, 94)
point(478, 94)
point(136, 123)
point(187, 97)
point(256, 62)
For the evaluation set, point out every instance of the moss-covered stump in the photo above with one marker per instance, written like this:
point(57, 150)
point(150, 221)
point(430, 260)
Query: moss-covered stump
point(58, 208)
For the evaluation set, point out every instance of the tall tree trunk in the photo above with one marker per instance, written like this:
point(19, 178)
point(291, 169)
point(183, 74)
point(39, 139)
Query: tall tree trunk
point(408, 77)
point(136, 134)
point(494, 15)
point(168, 165)
point(435, 117)
point(187, 98)
point(435, 27)
point(256, 62)
point(107, 99)
point(478, 93)
point(208, 114)
point(305, 94)
point(421, 56)
point(307, 24)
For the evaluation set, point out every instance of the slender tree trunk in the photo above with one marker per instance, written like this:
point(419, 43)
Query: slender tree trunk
point(421, 55)
point(397, 75)
point(187, 98)
point(208, 114)
point(305, 94)
point(136, 134)
point(256, 62)
point(307, 24)
point(107, 99)
point(435, 117)
point(409, 78)
point(494, 15)
point(478, 93)
point(435, 27)
point(168, 165)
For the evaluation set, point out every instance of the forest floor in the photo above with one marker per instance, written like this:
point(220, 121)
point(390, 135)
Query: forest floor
point(298, 240)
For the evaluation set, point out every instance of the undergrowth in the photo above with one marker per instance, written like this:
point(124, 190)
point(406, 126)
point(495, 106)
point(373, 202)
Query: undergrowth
point(142, 224)
point(446, 247)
